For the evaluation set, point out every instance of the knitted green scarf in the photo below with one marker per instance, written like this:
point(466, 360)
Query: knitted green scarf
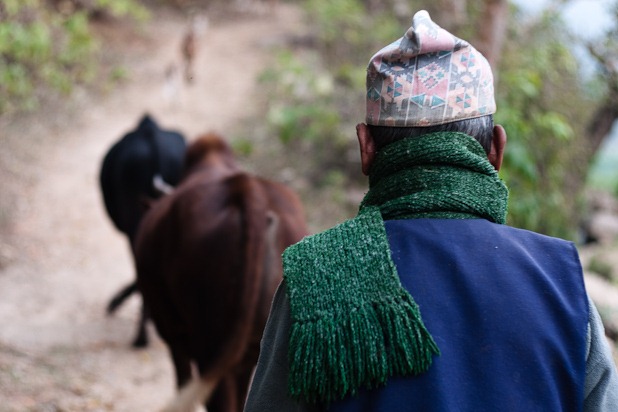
point(353, 323)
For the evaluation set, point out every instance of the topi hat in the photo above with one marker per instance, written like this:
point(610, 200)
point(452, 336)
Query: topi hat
point(428, 77)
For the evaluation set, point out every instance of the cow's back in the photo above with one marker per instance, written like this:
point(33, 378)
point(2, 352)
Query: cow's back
point(200, 259)
point(128, 169)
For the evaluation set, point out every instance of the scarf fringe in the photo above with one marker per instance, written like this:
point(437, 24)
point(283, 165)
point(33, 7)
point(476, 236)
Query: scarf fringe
point(354, 326)
point(333, 357)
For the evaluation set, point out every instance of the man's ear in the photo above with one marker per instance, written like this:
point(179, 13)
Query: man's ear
point(367, 147)
point(498, 143)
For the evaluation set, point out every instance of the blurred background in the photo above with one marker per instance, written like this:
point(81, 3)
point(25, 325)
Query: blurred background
point(283, 81)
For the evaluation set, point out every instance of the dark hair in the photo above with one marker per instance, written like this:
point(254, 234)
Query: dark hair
point(481, 128)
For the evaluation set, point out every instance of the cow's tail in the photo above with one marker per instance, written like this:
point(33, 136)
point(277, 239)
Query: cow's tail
point(260, 226)
point(258, 222)
point(120, 297)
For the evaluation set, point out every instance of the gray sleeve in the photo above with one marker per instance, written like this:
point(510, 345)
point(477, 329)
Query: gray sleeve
point(601, 385)
point(269, 388)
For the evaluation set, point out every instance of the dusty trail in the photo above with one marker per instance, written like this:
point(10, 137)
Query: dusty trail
point(62, 260)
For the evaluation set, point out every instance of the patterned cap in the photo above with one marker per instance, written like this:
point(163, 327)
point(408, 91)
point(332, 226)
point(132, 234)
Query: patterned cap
point(426, 78)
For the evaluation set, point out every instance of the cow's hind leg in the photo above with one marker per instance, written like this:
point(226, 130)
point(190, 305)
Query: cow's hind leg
point(225, 397)
point(182, 367)
point(231, 393)
point(141, 338)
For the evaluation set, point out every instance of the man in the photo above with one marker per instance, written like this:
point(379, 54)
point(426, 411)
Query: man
point(427, 301)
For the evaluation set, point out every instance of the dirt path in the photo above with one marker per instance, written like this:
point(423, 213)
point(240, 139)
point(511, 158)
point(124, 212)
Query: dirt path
point(62, 260)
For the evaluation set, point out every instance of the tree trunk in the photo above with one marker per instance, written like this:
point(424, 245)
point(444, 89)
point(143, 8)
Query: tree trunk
point(607, 113)
point(601, 124)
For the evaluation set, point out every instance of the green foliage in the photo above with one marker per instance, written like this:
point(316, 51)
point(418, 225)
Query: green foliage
point(290, 120)
point(316, 95)
point(118, 74)
point(122, 8)
point(339, 24)
point(348, 33)
point(242, 147)
point(43, 48)
point(304, 94)
point(538, 84)
point(601, 267)
point(301, 109)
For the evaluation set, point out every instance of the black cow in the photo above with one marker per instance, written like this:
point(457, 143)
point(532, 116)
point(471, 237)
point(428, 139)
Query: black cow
point(142, 166)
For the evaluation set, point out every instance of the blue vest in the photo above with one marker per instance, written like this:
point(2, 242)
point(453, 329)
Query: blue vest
point(508, 310)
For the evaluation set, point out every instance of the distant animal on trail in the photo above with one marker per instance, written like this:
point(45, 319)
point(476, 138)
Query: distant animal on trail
point(189, 48)
point(208, 261)
point(140, 167)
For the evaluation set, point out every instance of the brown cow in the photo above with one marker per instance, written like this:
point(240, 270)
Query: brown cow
point(208, 262)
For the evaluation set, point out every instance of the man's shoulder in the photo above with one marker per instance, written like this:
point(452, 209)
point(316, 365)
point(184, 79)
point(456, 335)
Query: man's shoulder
point(466, 225)
point(472, 234)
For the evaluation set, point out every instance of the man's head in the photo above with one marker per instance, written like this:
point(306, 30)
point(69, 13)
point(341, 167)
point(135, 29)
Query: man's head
point(425, 82)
